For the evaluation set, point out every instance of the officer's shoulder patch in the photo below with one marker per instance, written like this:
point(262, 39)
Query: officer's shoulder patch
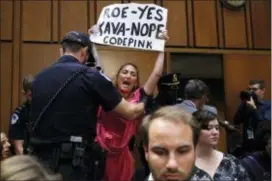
point(14, 118)
point(106, 77)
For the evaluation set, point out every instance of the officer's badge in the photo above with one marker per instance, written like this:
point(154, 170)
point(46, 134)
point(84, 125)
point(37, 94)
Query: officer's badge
point(14, 118)
point(175, 78)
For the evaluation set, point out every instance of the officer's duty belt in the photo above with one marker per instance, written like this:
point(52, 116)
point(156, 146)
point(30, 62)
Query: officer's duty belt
point(59, 140)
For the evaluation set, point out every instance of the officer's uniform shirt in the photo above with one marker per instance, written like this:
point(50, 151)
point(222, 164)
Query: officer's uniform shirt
point(74, 110)
point(19, 121)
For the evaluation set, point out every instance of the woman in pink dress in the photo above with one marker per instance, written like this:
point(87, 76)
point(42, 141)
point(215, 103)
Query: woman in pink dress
point(113, 131)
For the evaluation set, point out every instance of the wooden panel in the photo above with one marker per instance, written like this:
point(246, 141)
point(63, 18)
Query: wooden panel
point(261, 22)
point(219, 23)
point(112, 60)
point(16, 56)
point(234, 28)
point(205, 23)
point(176, 25)
point(249, 25)
point(6, 83)
point(73, 16)
point(144, 1)
point(39, 56)
point(92, 14)
point(55, 23)
point(37, 20)
point(238, 70)
point(6, 20)
point(190, 23)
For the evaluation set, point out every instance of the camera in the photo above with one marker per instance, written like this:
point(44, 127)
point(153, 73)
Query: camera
point(245, 95)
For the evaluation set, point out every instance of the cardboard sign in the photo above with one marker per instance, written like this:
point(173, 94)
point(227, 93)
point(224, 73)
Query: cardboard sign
point(131, 25)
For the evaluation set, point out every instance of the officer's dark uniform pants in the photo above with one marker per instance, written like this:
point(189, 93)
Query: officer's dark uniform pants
point(58, 158)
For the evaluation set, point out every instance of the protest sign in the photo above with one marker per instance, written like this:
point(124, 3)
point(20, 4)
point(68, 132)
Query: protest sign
point(131, 25)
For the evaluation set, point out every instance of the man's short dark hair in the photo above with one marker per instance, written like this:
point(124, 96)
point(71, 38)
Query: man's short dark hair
point(173, 114)
point(261, 83)
point(195, 89)
point(27, 83)
point(71, 46)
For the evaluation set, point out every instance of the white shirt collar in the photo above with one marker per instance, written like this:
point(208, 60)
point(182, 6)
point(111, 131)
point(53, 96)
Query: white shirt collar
point(150, 177)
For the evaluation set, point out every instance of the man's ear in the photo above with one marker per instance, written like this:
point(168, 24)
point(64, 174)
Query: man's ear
point(83, 52)
point(61, 52)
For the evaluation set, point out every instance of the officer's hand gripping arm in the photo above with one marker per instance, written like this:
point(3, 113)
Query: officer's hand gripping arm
point(129, 110)
point(132, 111)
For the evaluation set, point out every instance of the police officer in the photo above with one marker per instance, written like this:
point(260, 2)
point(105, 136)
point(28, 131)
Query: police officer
point(168, 92)
point(18, 130)
point(65, 100)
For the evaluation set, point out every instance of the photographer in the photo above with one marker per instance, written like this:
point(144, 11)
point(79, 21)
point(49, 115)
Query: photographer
point(253, 109)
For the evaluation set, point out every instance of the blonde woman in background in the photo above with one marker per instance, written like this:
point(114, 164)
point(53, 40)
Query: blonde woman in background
point(25, 168)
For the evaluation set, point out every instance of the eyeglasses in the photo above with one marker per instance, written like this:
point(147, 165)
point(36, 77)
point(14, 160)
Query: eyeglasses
point(253, 89)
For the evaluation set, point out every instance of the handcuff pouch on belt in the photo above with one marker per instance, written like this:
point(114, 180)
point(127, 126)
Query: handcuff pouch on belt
point(78, 156)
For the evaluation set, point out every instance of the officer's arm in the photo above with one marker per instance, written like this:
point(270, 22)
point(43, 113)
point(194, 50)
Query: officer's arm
point(111, 100)
point(18, 146)
point(17, 130)
point(129, 110)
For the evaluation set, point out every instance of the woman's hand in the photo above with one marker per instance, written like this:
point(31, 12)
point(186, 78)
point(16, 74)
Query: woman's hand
point(164, 35)
point(93, 30)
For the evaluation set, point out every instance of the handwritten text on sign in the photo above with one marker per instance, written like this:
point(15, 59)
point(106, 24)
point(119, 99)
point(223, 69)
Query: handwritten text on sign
point(132, 25)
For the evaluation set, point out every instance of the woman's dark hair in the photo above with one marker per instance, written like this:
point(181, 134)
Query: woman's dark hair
point(137, 70)
point(204, 117)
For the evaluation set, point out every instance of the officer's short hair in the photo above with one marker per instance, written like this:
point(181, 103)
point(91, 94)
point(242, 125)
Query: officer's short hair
point(195, 89)
point(73, 41)
point(27, 83)
point(24, 167)
point(260, 82)
point(173, 114)
point(71, 46)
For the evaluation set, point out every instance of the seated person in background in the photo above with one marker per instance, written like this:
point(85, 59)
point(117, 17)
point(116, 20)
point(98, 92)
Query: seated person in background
point(196, 96)
point(5, 146)
point(170, 136)
point(24, 168)
point(258, 164)
point(217, 165)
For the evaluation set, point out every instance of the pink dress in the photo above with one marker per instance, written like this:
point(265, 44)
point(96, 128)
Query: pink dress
point(114, 134)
